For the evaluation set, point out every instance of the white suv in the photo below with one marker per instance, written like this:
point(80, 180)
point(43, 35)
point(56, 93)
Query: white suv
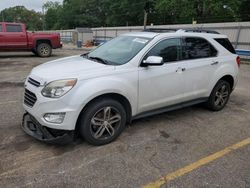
point(129, 77)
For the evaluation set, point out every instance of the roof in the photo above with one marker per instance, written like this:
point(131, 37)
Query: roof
point(180, 32)
point(142, 34)
point(191, 30)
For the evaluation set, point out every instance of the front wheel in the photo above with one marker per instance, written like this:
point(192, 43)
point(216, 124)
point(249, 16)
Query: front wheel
point(103, 121)
point(219, 96)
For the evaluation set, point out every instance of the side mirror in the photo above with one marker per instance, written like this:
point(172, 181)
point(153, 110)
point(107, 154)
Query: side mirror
point(153, 61)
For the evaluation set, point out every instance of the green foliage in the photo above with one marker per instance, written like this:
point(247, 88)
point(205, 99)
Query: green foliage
point(98, 13)
point(182, 11)
point(244, 10)
point(83, 13)
point(125, 12)
point(52, 11)
point(32, 19)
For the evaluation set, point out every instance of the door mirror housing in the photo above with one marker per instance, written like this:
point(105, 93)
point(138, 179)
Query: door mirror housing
point(153, 61)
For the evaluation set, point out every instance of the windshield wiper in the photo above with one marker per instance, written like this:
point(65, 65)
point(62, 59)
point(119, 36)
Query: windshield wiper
point(100, 60)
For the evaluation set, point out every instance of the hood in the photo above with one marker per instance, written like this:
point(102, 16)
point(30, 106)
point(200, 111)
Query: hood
point(70, 67)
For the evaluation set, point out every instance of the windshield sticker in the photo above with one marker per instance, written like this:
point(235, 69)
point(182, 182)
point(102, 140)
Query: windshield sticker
point(140, 40)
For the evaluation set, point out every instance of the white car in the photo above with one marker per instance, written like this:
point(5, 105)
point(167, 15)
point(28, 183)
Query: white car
point(134, 75)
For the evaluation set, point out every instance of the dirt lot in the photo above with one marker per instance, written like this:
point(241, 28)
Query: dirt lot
point(149, 149)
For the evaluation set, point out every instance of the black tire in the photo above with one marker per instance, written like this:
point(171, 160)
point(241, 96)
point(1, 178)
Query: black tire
point(219, 96)
point(95, 126)
point(44, 50)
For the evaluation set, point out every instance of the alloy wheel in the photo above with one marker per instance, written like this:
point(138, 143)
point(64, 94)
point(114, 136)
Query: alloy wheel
point(221, 96)
point(105, 123)
point(44, 50)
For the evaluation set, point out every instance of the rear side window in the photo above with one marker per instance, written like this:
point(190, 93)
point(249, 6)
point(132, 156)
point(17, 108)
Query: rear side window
point(194, 48)
point(226, 44)
point(1, 28)
point(13, 28)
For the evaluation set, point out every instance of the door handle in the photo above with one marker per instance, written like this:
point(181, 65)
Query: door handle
point(180, 69)
point(215, 63)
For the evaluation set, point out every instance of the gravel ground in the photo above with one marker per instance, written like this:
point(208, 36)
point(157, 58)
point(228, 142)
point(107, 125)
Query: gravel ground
point(147, 150)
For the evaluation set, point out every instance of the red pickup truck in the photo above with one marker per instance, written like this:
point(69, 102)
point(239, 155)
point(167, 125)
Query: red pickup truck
point(14, 37)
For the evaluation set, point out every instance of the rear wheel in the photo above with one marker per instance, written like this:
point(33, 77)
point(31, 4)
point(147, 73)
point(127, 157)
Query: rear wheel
point(44, 50)
point(219, 96)
point(102, 121)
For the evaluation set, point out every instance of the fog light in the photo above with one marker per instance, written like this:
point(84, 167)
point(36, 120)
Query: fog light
point(54, 117)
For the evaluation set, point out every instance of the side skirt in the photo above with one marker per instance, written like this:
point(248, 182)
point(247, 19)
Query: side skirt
point(169, 108)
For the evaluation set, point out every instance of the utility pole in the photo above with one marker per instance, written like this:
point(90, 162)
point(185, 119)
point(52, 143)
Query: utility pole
point(43, 17)
point(147, 9)
point(145, 19)
point(2, 16)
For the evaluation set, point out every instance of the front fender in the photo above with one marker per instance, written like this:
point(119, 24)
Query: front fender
point(87, 90)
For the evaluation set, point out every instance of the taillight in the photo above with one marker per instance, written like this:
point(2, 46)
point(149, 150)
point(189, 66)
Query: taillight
point(238, 61)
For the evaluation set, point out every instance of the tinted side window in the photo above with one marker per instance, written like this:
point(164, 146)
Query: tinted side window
point(226, 44)
point(13, 28)
point(194, 48)
point(168, 49)
point(1, 29)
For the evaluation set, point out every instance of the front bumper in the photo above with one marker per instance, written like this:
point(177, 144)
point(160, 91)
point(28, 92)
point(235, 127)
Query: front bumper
point(33, 128)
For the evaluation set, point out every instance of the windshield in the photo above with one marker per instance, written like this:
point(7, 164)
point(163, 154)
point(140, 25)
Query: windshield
point(119, 50)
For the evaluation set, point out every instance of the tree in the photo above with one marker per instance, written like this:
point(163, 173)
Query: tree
point(126, 12)
point(97, 13)
point(244, 10)
point(175, 10)
point(32, 19)
point(53, 11)
point(80, 13)
point(182, 11)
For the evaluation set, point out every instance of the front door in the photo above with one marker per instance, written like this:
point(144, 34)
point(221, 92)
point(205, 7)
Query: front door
point(161, 86)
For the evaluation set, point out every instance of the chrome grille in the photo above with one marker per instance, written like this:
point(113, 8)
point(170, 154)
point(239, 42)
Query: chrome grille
point(33, 82)
point(29, 98)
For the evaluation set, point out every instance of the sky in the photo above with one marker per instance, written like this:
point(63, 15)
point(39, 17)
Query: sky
point(29, 4)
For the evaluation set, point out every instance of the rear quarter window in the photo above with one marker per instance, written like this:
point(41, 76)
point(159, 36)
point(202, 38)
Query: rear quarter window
point(226, 44)
point(1, 28)
point(13, 28)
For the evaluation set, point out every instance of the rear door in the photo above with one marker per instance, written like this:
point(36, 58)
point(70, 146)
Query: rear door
point(201, 63)
point(14, 36)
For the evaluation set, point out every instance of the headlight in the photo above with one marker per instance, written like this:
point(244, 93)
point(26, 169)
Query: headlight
point(58, 88)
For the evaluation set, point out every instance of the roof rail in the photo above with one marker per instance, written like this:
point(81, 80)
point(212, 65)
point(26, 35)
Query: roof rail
point(160, 30)
point(191, 30)
point(200, 30)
